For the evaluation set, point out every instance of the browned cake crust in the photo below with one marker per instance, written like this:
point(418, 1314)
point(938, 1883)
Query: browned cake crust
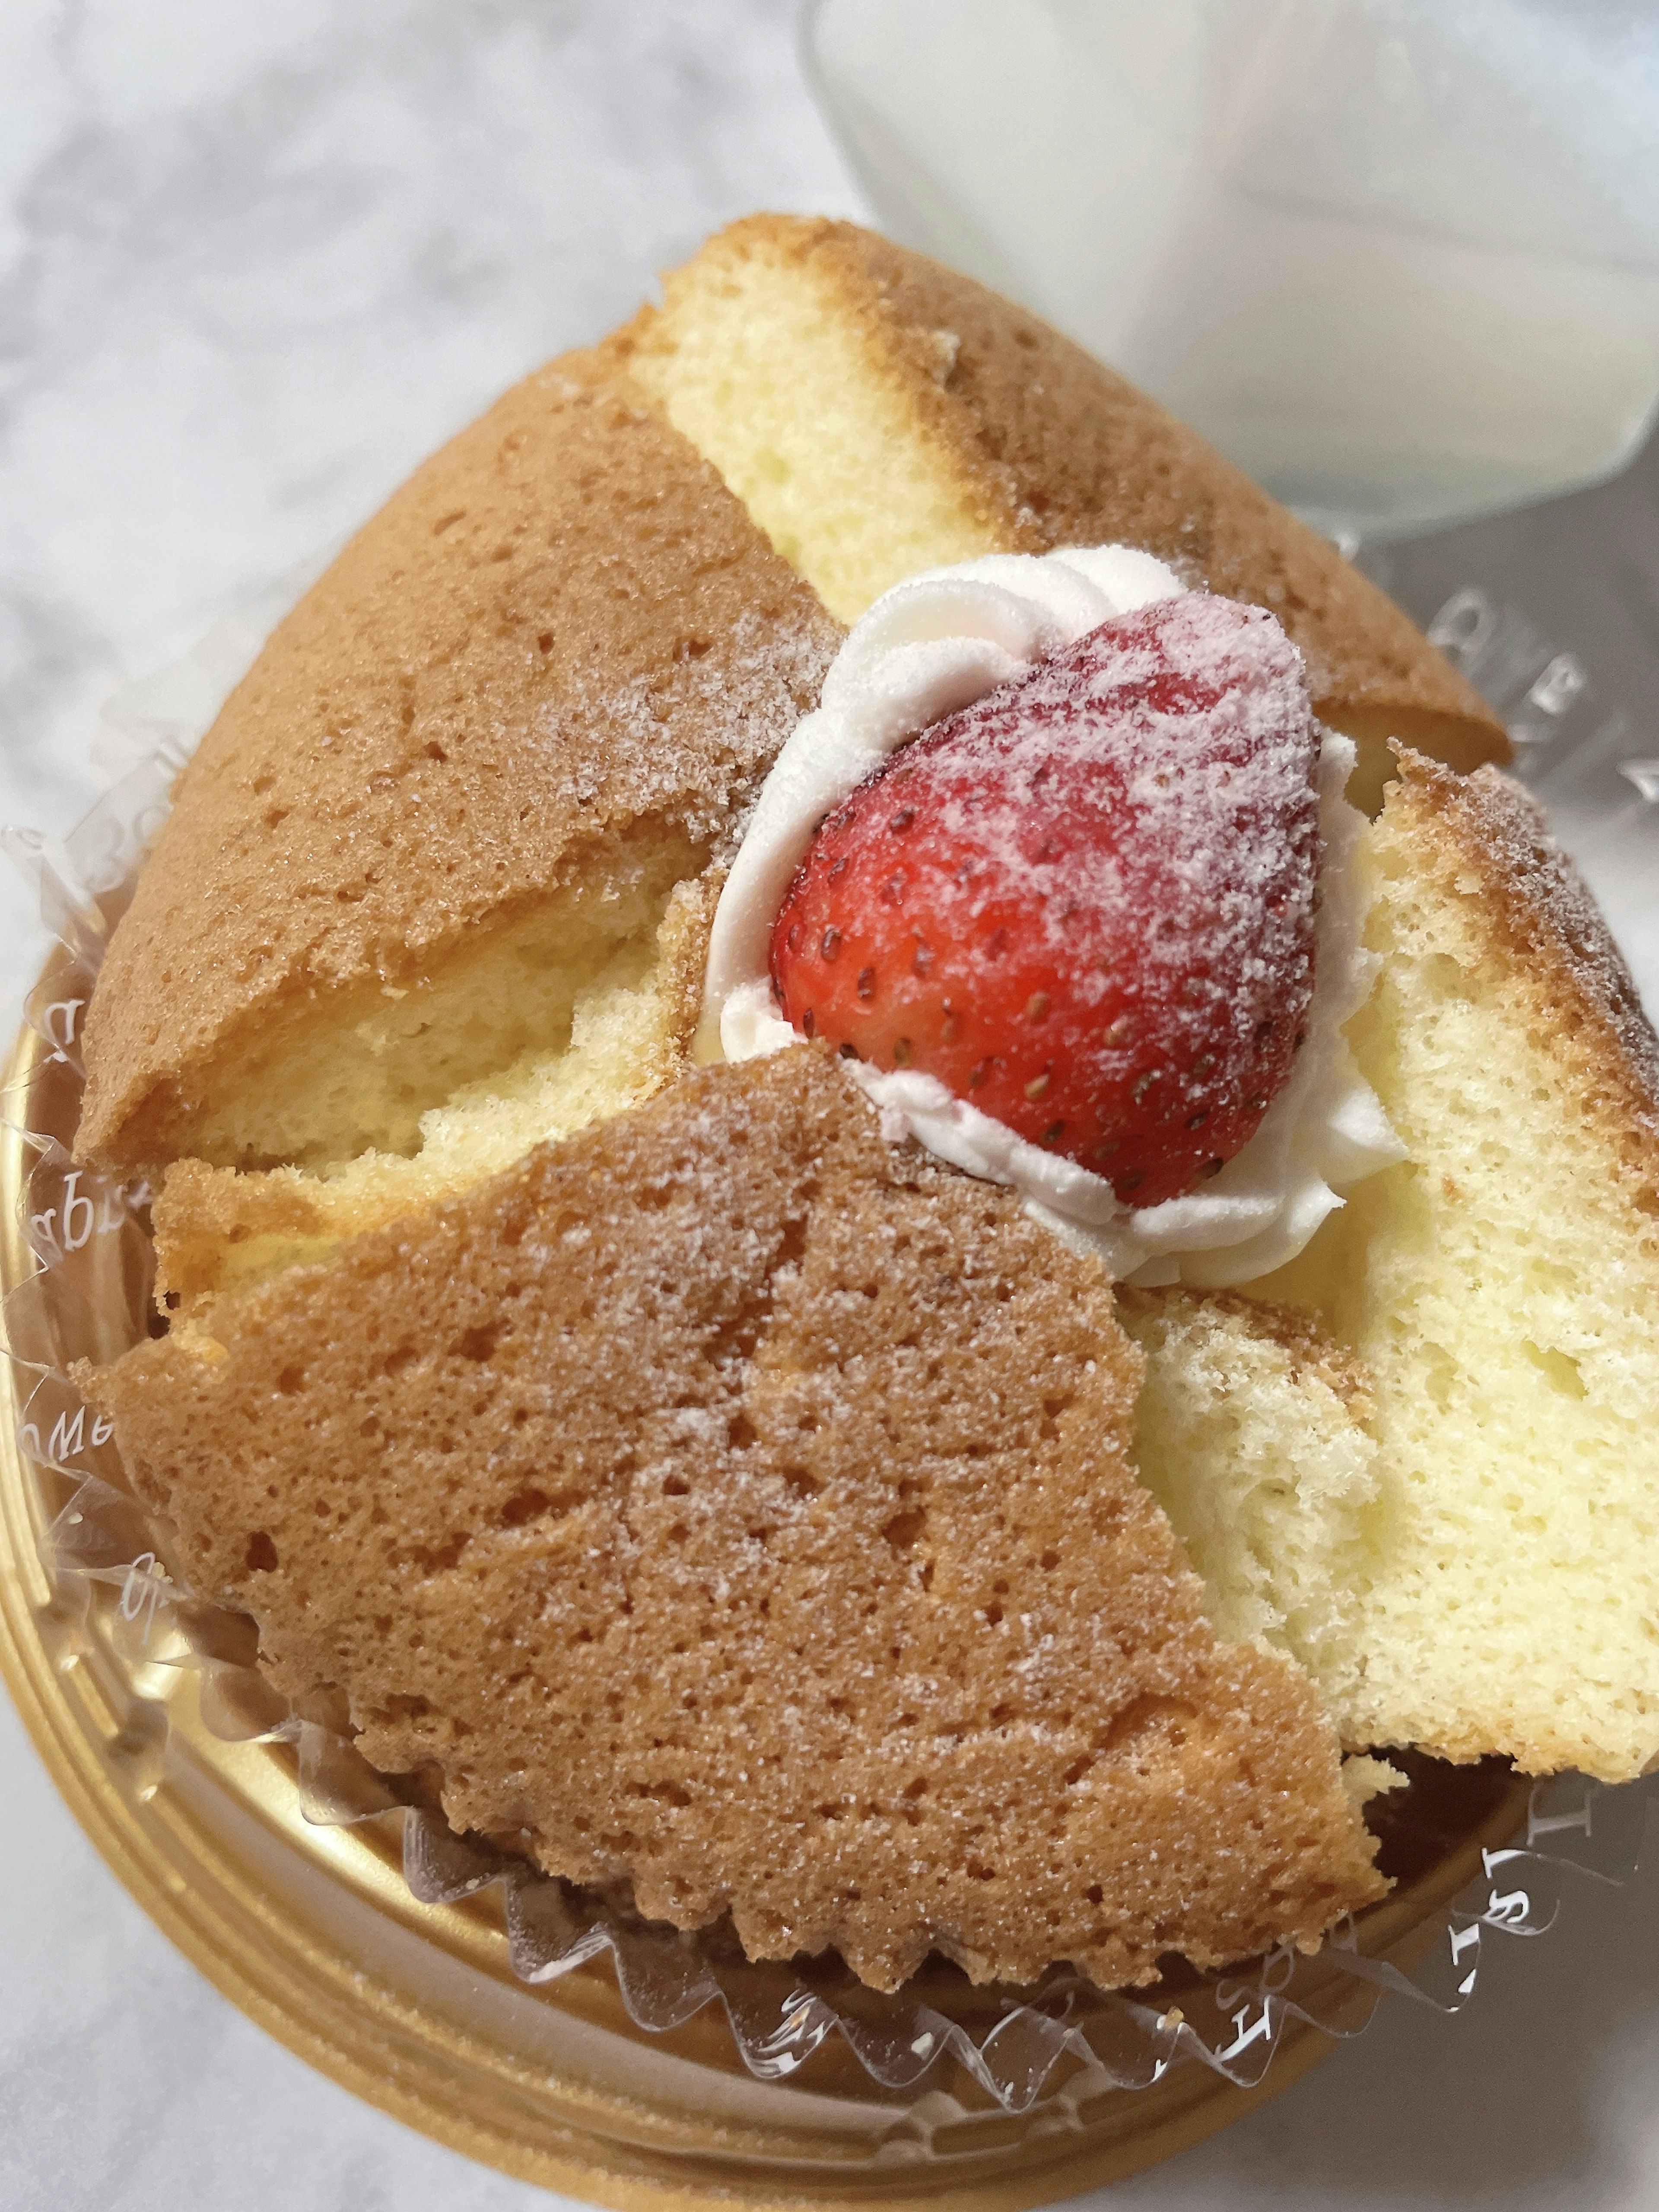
point(1486, 836)
point(1056, 449)
point(732, 1505)
point(476, 693)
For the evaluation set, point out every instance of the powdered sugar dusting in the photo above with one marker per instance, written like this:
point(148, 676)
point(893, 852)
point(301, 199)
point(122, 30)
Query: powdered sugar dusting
point(606, 747)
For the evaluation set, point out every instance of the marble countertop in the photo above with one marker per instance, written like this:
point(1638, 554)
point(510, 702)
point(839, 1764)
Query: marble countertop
point(254, 263)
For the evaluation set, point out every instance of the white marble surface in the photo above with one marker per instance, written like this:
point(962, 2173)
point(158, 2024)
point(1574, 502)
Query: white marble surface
point(254, 262)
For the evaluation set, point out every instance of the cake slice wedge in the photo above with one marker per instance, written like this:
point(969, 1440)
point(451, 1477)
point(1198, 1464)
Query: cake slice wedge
point(1451, 1516)
point(453, 798)
point(730, 1505)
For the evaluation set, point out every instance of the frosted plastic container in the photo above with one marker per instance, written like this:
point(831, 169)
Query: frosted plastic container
point(1398, 259)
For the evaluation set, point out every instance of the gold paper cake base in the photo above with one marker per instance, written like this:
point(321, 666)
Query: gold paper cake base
point(314, 1934)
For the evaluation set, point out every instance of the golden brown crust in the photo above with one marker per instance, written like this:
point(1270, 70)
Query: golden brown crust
point(562, 625)
point(683, 938)
point(740, 1507)
point(1054, 449)
point(1483, 840)
point(203, 1216)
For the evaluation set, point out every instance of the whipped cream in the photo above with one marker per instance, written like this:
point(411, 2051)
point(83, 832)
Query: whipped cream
point(930, 645)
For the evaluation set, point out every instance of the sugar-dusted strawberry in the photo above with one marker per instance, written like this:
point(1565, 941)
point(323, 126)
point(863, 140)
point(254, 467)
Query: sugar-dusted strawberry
point(1085, 904)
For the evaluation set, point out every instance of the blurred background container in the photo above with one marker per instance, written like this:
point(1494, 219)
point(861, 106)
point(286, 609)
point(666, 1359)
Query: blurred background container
point(1399, 259)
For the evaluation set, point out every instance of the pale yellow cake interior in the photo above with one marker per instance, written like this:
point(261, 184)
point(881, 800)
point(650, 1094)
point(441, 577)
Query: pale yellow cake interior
point(614, 1000)
point(1261, 1452)
point(1471, 1562)
point(760, 365)
point(363, 1073)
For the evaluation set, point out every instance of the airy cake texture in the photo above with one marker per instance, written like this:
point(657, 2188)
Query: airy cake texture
point(738, 1506)
point(877, 414)
point(630, 1032)
point(1457, 1535)
point(1253, 1430)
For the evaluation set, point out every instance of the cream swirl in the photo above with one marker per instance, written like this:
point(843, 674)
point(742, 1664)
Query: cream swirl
point(934, 644)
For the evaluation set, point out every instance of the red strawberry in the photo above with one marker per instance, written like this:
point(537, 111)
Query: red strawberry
point(1085, 904)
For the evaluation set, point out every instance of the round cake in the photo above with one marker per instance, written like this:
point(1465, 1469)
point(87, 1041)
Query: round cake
point(839, 1242)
